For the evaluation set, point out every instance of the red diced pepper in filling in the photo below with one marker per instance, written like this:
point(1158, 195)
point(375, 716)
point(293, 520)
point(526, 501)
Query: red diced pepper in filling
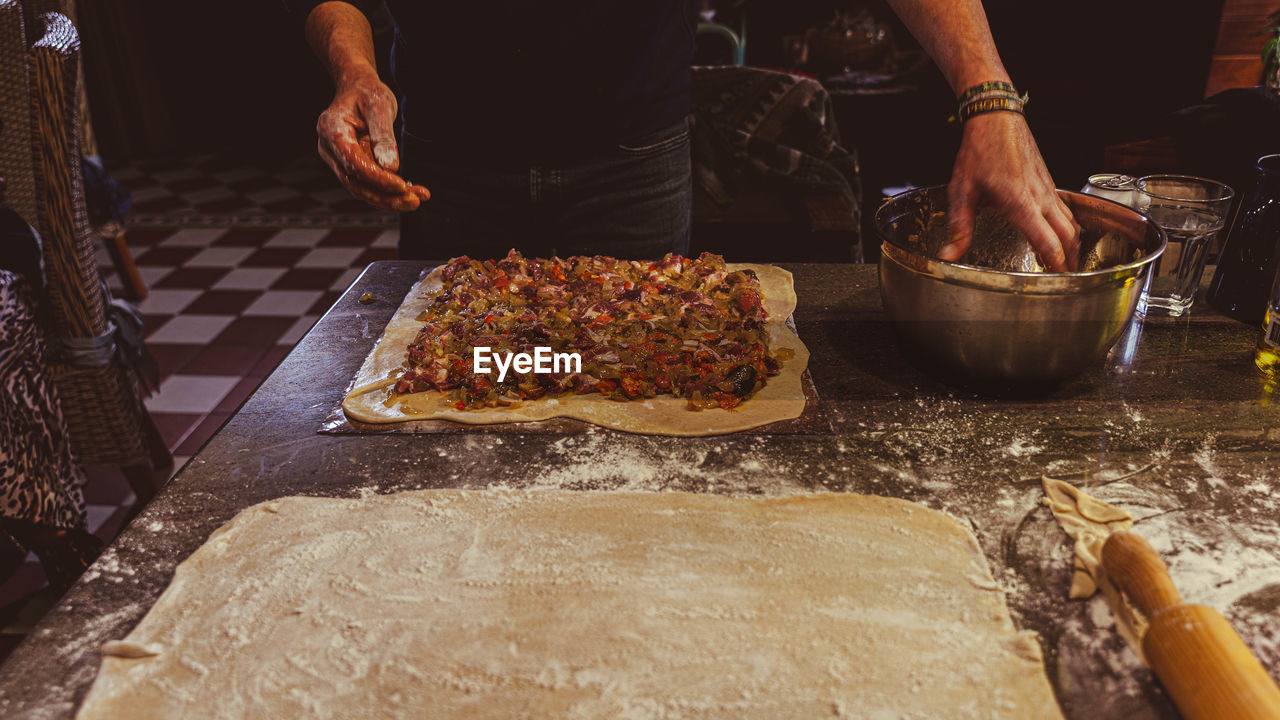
point(748, 300)
point(631, 384)
point(645, 333)
point(726, 400)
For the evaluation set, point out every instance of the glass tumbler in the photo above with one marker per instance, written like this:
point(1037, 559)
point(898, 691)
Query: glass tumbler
point(1192, 211)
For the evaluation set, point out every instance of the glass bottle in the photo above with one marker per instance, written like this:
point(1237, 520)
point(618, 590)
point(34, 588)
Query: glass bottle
point(1267, 356)
point(1240, 286)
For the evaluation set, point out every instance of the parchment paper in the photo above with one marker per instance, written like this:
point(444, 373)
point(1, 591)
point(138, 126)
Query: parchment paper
point(782, 398)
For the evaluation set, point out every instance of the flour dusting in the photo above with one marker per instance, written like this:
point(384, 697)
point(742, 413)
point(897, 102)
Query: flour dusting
point(597, 461)
point(108, 567)
point(1021, 447)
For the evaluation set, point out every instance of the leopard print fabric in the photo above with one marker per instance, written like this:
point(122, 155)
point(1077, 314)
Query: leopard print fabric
point(40, 480)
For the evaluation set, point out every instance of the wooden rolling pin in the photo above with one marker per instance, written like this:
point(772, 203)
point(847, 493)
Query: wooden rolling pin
point(1202, 663)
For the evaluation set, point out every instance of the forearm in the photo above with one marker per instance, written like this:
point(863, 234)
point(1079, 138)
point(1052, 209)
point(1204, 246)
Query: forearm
point(956, 35)
point(341, 36)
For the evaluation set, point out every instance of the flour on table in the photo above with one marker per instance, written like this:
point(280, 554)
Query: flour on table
point(1229, 564)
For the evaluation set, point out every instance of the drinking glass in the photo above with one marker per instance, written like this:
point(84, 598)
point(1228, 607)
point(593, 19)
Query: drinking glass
point(1191, 211)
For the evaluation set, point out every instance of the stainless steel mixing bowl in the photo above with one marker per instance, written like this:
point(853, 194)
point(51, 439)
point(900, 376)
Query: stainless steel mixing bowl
point(1014, 327)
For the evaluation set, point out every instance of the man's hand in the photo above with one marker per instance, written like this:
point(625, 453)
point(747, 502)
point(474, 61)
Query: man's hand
point(358, 143)
point(998, 163)
point(356, 135)
point(999, 166)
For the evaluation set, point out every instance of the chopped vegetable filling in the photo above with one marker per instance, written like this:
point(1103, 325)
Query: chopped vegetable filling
point(687, 328)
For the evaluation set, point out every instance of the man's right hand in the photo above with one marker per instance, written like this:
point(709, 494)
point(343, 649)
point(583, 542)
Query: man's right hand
point(357, 141)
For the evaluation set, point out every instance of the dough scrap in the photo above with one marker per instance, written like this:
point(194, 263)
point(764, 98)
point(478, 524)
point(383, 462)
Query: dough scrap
point(1089, 522)
point(782, 398)
point(546, 603)
point(125, 649)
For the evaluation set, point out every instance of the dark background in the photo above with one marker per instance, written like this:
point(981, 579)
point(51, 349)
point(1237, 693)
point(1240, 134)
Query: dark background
point(237, 77)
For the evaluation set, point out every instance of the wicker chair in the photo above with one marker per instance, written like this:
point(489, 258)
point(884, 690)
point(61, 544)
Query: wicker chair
point(15, 113)
point(107, 420)
point(16, 17)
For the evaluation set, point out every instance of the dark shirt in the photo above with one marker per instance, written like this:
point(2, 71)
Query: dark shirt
point(538, 79)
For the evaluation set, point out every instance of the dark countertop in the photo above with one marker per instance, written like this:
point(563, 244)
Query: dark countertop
point(1189, 413)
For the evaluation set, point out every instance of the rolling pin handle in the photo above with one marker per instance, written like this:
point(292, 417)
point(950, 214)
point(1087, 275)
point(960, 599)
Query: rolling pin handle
point(1135, 569)
point(1201, 661)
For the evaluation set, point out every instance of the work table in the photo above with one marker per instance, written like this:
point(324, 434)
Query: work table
point(1177, 427)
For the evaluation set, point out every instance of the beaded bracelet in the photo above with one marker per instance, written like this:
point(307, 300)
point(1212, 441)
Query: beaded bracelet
point(992, 104)
point(990, 96)
point(985, 87)
point(994, 95)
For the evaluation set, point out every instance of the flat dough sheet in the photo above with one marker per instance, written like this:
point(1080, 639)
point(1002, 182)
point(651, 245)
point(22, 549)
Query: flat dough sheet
point(782, 398)
point(554, 604)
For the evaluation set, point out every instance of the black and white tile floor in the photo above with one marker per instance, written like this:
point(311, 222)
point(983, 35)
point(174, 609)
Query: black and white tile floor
point(226, 305)
point(223, 190)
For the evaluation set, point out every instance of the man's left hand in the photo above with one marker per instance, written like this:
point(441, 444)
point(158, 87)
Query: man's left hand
point(1000, 167)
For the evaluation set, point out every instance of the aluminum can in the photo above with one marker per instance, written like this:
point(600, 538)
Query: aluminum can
point(1112, 186)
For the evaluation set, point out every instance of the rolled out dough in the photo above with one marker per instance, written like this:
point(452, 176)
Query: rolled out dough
point(782, 397)
point(553, 604)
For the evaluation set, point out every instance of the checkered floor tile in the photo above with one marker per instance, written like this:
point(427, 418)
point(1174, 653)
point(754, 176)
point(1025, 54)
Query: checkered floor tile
point(217, 190)
point(228, 299)
point(229, 304)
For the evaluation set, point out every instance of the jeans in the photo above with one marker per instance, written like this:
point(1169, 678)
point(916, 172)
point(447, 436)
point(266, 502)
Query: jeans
point(632, 201)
